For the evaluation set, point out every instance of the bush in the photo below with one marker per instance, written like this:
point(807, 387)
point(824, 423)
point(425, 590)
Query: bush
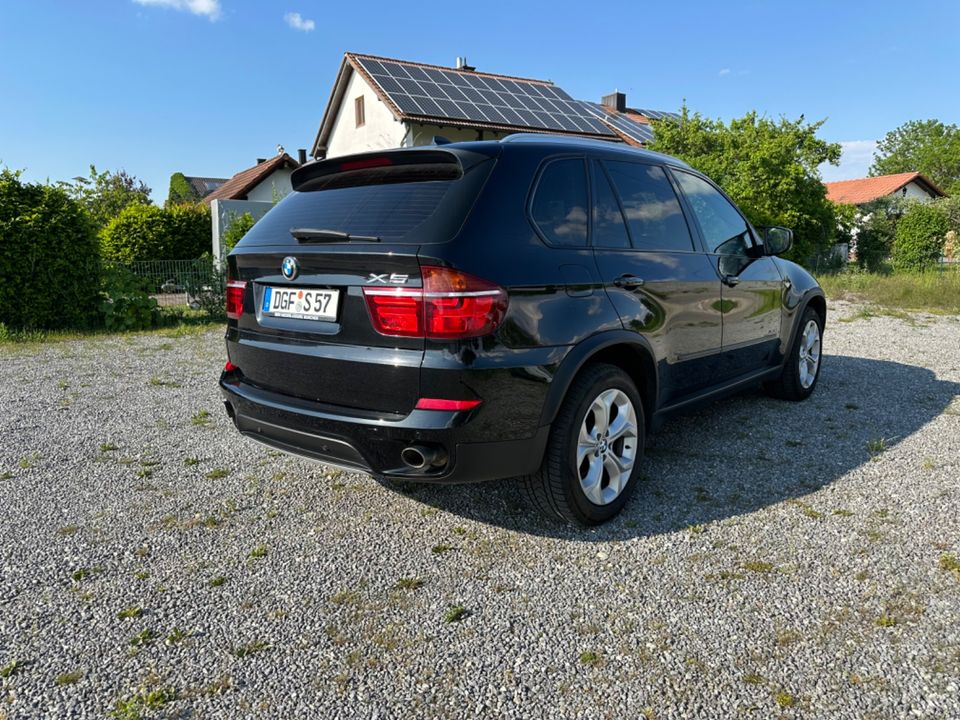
point(181, 191)
point(239, 226)
point(207, 288)
point(148, 232)
point(49, 258)
point(876, 233)
point(126, 303)
point(920, 237)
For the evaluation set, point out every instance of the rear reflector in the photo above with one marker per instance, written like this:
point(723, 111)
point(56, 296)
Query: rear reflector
point(230, 367)
point(439, 404)
point(451, 305)
point(235, 292)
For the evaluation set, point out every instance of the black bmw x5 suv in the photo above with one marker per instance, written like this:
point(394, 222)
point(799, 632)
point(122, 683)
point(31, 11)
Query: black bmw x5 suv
point(529, 308)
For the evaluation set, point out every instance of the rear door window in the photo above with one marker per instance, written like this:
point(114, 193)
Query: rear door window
point(559, 207)
point(652, 209)
point(609, 228)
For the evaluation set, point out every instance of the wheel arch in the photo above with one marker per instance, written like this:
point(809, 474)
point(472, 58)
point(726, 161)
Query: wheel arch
point(626, 350)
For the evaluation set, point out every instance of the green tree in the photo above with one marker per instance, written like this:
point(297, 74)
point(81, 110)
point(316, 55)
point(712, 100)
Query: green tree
point(181, 191)
point(105, 194)
point(769, 168)
point(239, 226)
point(926, 146)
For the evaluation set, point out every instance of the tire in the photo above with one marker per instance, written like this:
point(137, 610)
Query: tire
point(556, 488)
point(796, 382)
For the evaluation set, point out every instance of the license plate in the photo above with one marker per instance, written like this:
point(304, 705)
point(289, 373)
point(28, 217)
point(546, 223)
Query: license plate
point(300, 303)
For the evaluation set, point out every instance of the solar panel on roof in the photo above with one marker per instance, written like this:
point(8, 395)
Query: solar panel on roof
point(657, 114)
point(639, 132)
point(452, 95)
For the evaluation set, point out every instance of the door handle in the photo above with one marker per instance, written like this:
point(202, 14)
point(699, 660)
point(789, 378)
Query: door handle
point(628, 281)
point(731, 280)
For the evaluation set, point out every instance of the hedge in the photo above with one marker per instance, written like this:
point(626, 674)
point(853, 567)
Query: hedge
point(920, 237)
point(148, 232)
point(49, 258)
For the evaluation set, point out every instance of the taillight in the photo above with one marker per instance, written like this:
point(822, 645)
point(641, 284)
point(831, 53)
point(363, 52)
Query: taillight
point(235, 291)
point(450, 305)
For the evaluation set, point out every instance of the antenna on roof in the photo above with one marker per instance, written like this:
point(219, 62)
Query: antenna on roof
point(280, 150)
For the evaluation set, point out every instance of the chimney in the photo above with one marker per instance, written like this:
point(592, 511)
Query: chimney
point(462, 65)
point(261, 160)
point(615, 101)
point(302, 156)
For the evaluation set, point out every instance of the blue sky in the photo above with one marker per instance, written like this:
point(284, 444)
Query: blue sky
point(207, 86)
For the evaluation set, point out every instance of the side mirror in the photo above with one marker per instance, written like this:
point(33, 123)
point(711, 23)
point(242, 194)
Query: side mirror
point(777, 240)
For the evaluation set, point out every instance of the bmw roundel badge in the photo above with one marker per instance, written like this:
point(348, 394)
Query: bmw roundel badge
point(290, 268)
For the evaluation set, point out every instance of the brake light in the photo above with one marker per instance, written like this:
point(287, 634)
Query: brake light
point(451, 305)
point(235, 292)
point(440, 404)
point(365, 163)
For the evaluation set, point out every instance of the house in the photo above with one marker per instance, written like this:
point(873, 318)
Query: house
point(203, 186)
point(379, 102)
point(909, 185)
point(266, 181)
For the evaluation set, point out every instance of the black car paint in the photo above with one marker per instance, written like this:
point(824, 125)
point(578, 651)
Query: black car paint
point(342, 393)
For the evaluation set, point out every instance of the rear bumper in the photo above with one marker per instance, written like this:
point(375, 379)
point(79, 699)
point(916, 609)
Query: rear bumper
point(372, 442)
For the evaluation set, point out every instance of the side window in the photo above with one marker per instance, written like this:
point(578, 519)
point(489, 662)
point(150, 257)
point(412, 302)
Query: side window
point(609, 229)
point(560, 203)
point(723, 227)
point(653, 212)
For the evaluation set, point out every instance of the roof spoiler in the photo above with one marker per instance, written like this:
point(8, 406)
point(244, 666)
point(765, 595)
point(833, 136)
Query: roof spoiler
point(378, 168)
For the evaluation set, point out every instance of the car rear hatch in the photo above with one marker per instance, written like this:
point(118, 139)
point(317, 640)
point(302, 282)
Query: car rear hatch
point(351, 224)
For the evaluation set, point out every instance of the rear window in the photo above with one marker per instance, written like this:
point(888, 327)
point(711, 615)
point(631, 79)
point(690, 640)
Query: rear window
point(410, 211)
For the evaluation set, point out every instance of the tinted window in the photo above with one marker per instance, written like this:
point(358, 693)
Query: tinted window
point(723, 227)
point(394, 209)
point(652, 209)
point(609, 229)
point(560, 203)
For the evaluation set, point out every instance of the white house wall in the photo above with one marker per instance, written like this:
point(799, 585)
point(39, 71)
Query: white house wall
point(914, 192)
point(380, 130)
point(274, 187)
point(418, 134)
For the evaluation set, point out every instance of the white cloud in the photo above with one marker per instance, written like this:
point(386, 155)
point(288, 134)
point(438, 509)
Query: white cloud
point(206, 8)
point(855, 161)
point(298, 22)
point(725, 71)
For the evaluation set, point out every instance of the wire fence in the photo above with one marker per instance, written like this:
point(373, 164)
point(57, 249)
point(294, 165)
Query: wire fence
point(175, 283)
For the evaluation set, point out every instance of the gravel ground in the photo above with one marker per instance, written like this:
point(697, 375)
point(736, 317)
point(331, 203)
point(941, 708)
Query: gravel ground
point(779, 559)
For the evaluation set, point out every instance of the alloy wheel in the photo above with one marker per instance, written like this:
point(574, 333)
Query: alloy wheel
point(607, 446)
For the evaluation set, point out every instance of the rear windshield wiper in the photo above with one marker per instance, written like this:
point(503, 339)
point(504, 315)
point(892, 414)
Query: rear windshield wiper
point(323, 235)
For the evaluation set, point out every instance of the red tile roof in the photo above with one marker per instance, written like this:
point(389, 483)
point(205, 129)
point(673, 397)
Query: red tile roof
point(864, 190)
point(237, 187)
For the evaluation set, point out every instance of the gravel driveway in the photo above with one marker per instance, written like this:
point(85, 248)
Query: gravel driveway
point(794, 560)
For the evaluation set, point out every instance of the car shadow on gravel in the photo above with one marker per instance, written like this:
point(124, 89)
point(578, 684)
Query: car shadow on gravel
point(740, 454)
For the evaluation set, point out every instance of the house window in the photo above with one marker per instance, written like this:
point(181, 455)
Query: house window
point(358, 110)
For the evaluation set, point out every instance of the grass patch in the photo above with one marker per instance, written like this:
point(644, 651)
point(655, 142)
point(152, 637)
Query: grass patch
point(441, 548)
point(931, 291)
point(68, 530)
point(217, 580)
point(260, 551)
point(876, 446)
point(143, 638)
point(130, 612)
point(754, 679)
point(885, 621)
point(456, 613)
point(408, 584)
point(176, 636)
point(108, 447)
point(201, 418)
point(785, 699)
point(12, 668)
point(155, 699)
point(251, 648)
point(69, 678)
point(950, 563)
point(217, 474)
point(758, 566)
point(6, 475)
point(191, 461)
point(29, 461)
point(158, 381)
point(843, 512)
point(591, 658)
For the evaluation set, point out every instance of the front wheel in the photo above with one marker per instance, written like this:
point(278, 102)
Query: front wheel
point(593, 454)
point(801, 369)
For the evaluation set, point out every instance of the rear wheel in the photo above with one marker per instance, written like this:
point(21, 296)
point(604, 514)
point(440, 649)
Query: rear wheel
point(592, 457)
point(801, 369)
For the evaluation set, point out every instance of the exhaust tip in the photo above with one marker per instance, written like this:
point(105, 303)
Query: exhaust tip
point(413, 457)
point(420, 457)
